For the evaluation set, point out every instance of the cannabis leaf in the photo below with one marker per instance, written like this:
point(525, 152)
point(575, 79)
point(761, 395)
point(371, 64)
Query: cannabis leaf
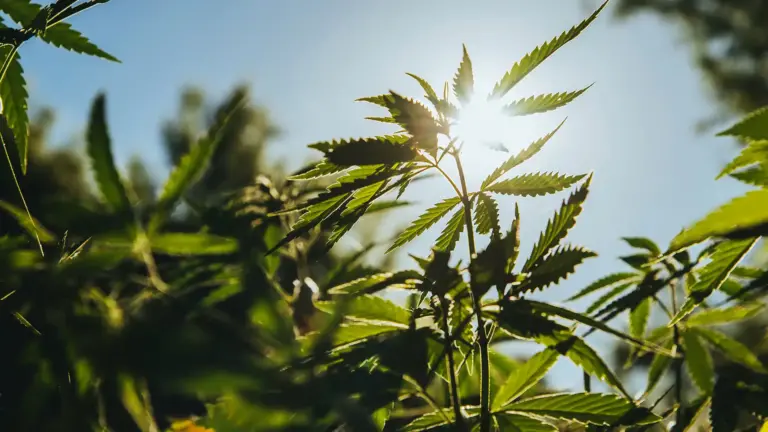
point(519, 158)
point(430, 92)
point(604, 282)
point(533, 59)
point(754, 152)
point(426, 220)
point(371, 151)
point(13, 94)
point(534, 184)
point(450, 235)
point(525, 376)
point(463, 81)
point(699, 362)
point(740, 214)
point(541, 103)
point(99, 148)
point(754, 126)
point(731, 348)
point(594, 408)
point(557, 227)
point(556, 266)
point(486, 214)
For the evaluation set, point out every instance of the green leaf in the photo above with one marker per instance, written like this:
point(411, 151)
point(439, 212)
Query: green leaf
point(423, 222)
point(699, 362)
point(377, 282)
point(519, 158)
point(724, 258)
point(550, 309)
point(742, 213)
point(430, 92)
point(520, 423)
point(643, 243)
point(594, 408)
point(464, 81)
point(525, 377)
point(638, 318)
point(348, 333)
point(534, 184)
point(732, 349)
point(371, 309)
point(371, 151)
point(541, 103)
point(754, 152)
point(557, 227)
point(432, 420)
point(60, 34)
point(13, 94)
point(193, 164)
point(554, 267)
point(135, 398)
point(755, 176)
point(28, 223)
point(99, 146)
point(533, 59)
point(604, 282)
point(486, 214)
point(321, 169)
point(610, 295)
point(192, 244)
point(450, 235)
point(659, 365)
point(416, 119)
point(724, 316)
point(754, 126)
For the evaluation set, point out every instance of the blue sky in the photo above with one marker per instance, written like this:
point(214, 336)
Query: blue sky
point(308, 60)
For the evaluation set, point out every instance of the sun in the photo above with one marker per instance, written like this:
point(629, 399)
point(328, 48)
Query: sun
point(482, 123)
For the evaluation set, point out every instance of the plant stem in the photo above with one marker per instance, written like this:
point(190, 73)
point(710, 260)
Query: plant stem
point(485, 376)
point(678, 366)
point(455, 400)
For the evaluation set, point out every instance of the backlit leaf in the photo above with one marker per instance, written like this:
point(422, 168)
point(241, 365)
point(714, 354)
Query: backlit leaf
point(371, 151)
point(533, 59)
point(463, 81)
point(731, 348)
point(643, 243)
point(638, 318)
point(519, 158)
point(416, 119)
point(486, 214)
point(28, 223)
point(724, 316)
point(426, 220)
point(525, 376)
point(594, 408)
point(754, 152)
point(557, 227)
point(370, 308)
point(745, 212)
point(430, 92)
point(659, 365)
point(534, 184)
point(192, 244)
point(610, 295)
point(541, 103)
point(554, 267)
point(450, 235)
point(13, 93)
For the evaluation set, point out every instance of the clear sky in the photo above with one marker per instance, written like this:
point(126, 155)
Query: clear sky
point(307, 61)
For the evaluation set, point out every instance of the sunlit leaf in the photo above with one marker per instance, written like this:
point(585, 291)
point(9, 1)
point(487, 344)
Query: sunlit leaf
point(519, 158)
point(375, 283)
point(731, 348)
point(541, 103)
point(99, 146)
point(32, 226)
point(486, 214)
point(594, 408)
point(754, 152)
point(525, 377)
point(659, 365)
point(699, 362)
point(321, 169)
point(746, 212)
point(557, 227)
point(554, 267)
point(610, 295)
point(724, 315)
point(416, 119)
point(755, 176)
point(192, 244)
point(451, 233)
point(371, 308)
point(533, 59)
point(521, 423)
point(426, 220)
point(725, 257)
point(430, 92)
point(463, 81)
point(534, 184)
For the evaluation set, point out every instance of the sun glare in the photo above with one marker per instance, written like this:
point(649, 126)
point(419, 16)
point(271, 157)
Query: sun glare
point(482, 122)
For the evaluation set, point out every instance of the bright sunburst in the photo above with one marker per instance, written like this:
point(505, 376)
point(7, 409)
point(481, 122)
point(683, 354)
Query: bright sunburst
point(482, 122)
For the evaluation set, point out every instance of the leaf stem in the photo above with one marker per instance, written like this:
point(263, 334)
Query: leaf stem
point(455, 400)
point(678, 366)
point(485, 376)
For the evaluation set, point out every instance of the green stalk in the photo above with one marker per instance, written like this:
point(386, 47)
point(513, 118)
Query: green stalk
point(678, 365)
point(455, 400)
point(485, 375)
